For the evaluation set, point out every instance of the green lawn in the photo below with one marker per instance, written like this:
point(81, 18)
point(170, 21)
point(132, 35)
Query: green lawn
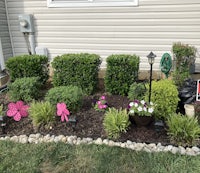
point(61, 158)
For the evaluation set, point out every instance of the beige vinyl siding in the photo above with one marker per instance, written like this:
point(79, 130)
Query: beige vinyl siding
point(4, 32)
point(152, 26)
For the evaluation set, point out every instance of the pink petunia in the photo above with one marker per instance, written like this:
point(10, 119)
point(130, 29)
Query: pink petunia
point(102, 97)
point(63, 111)
point(17, 110)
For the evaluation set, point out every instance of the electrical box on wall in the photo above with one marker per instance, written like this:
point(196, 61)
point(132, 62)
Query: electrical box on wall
point(26, 23)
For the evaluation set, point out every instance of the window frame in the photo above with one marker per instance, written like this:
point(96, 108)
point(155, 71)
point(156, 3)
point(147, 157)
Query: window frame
point(90, 3)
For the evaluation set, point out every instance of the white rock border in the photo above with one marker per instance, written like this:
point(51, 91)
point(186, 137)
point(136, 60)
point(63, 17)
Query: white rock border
point(74, 140)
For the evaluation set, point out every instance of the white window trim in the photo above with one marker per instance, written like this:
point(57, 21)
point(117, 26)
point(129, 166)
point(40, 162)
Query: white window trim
point(89, 3)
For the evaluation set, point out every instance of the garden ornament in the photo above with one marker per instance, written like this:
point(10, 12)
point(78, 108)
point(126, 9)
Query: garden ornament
point(166, 64)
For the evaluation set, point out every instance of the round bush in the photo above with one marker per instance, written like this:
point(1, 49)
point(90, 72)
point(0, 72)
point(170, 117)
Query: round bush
point(72, 96)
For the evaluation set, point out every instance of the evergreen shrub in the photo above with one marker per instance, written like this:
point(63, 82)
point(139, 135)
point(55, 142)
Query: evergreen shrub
point(164, 94)
point(72, 96)
point(77, 69)
point(26, 89)
point(28, 66)
point(121, 72)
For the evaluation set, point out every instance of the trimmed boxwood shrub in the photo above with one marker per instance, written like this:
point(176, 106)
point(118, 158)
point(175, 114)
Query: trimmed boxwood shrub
point(26, 89)
point(164, 95)
point(121, 72)
point(78, 70)
point(72, 96)
point(28, 66)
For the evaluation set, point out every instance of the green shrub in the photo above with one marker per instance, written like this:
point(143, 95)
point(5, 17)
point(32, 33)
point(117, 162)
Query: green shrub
point(28, 66)
point(72, 96)
point(164, 95)
point(185, 58)
point(183, 130)
point(26, 89)
point(137, 91)
point(115, 122)
point(121, 72)
point(78, 70)
point(42, 113)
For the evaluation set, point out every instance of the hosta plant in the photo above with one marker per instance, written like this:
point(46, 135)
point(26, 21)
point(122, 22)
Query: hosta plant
point(183, 130)
point(115, 122)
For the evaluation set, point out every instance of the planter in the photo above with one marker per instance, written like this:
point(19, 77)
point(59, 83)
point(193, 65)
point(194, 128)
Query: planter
point(189, 110)
point(142, 120)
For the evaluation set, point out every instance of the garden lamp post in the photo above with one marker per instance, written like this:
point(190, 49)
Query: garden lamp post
point(151, 58)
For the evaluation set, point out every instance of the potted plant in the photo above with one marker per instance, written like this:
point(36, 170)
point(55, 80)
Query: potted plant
point(141, 112)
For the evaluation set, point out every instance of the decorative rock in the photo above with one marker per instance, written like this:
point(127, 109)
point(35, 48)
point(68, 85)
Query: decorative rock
point(174, 150)
point(98, 141)
point(182, 150)
point(14, 139)
point(111, 143)
point(196, 149)
point(105, 141)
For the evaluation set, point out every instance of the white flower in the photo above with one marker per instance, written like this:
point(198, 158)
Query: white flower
point(150, 110)
point(136, 105)
point(145, 109)
point(143, 102)
point(132, 111)
point(131, 104)
point(139, 108)
point(151, 103)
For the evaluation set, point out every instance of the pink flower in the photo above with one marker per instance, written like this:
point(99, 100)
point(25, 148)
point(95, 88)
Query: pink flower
point(100, 106)
point(104, 106)
point(102, 97)
point(17, 110)
point(99, 102)
point(63, 111)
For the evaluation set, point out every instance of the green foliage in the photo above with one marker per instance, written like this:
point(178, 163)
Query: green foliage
point(164, 95)
point(185, 57)
point(78, 70)
point(28, 66)
point(72, 96)
point(42, 113)
point(115, 122)
point(183, 130)
point(137, 91)
point(1, 109)
point(26, 89)
point(121, 72)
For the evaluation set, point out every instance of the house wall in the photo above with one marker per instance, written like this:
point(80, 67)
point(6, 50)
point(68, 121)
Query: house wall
point(152, 26)
point(4, 32)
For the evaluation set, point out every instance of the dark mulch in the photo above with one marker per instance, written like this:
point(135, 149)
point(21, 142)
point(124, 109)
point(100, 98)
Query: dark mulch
point(89, 124)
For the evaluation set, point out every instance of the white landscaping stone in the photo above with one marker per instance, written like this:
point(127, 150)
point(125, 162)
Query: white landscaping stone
point(98, 141)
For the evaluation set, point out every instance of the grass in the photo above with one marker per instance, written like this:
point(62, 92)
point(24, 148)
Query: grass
point(63, 158)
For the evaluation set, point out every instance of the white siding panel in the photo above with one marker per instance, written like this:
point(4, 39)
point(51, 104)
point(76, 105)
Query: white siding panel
point(4, 32)
point(152, 26)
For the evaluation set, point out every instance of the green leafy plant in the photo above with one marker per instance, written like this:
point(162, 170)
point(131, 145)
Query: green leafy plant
point(42, 113)
point(115, 122)
point(164, 95)
point(28, 66)
point(137, 91)
point(1, 110)
point(184, 59)
point(183, 130)
point(121, 72)
point(77, 69)
point(26, 89)
point(72, 96)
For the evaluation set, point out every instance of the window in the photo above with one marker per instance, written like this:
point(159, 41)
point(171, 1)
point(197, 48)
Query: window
point(91, 3)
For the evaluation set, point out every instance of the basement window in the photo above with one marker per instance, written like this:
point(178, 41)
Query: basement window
point(91, 3)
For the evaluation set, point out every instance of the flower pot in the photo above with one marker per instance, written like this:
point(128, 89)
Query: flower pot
point(189, 110)
point(142, 120)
